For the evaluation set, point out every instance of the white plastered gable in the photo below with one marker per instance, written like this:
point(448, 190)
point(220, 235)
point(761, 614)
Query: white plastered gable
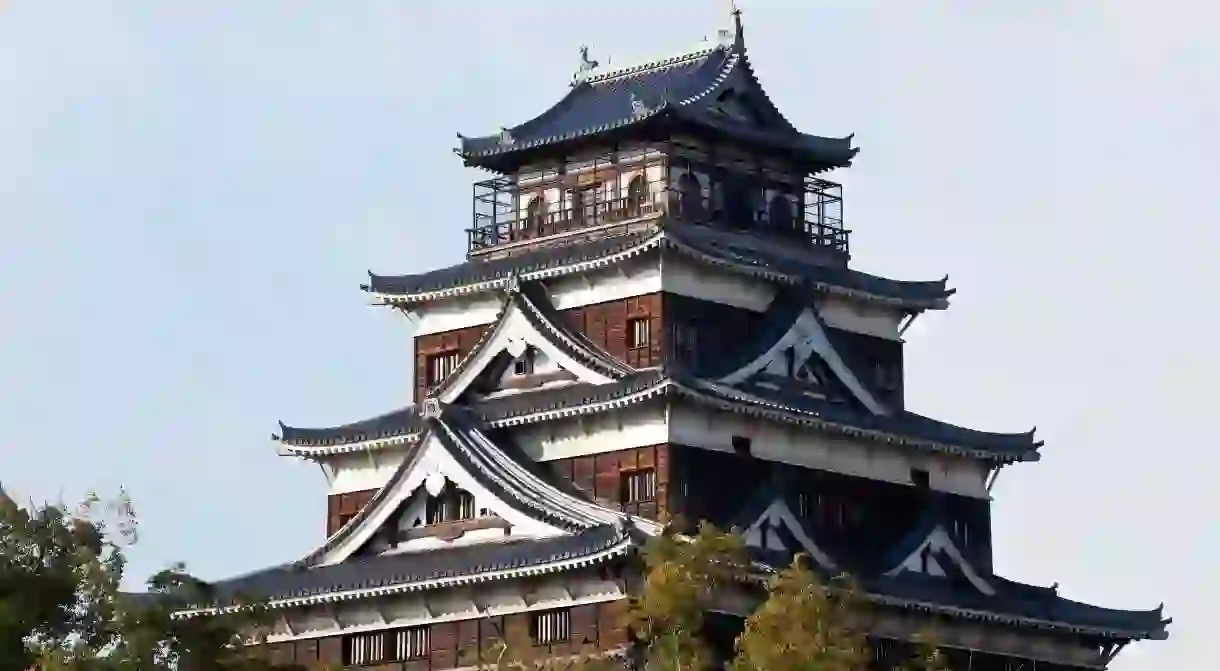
point(806, 337)
point(929, 557)
point(431, 467)
point(514, 333)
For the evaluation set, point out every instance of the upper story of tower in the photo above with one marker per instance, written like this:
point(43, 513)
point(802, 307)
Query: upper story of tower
point(692, 137)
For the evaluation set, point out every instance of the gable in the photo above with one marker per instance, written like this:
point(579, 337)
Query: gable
point(523, 330)
point(776, 529)
point(937, 556)
point(428, 471)
point(805, 353)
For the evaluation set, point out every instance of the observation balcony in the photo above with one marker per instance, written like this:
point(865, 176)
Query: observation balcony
point(510, 216)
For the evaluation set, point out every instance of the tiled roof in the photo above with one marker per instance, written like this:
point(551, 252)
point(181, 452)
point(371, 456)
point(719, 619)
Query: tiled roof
point(681, 89)
point(414, 571)
point(736, 251)
point(782, 404)
point(1017, 604)
point(397, 423)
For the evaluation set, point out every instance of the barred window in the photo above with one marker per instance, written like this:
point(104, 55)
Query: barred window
point(638, 334)
point(552, 626)
point(364, 648)
point(638, 486)
point(440, 366)
point(411, 643)
point(451, 505)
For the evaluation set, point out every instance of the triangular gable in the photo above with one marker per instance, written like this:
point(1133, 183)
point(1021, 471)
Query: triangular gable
point(523, 324)
point(768, 524)
point(805, 339)
point(937, 556)
point(450, 453)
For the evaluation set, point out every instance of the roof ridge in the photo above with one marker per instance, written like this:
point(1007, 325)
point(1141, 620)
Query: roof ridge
point(606, 74)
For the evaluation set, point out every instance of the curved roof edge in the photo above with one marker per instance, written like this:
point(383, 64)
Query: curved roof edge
point(690, 241)
point(685, 87)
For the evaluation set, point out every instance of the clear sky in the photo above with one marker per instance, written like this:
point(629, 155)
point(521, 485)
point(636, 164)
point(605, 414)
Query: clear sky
point(192, 191)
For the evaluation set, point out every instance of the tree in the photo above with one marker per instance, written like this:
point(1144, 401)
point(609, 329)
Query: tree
point(61, 608)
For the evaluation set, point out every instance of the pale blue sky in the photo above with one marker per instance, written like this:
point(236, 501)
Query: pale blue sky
point(191, 192)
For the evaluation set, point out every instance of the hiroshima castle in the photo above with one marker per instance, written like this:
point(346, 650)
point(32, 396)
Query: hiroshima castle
point(656, 319)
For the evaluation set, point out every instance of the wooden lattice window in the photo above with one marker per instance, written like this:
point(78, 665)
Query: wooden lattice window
point(638, 334)
point(440, 366)
point(552, 626)
point(410, 643)
point(638, 486)
point(451, 505)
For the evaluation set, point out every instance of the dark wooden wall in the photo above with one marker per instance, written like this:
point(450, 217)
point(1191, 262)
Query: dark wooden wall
point(341, 507)
point(600, 475)
point(606, 325)
point(877, 360)
point(459, 340)
point(856, 519)
point(452, 644)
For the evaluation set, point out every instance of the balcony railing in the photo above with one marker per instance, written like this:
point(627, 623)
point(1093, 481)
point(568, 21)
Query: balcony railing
point(508, 215)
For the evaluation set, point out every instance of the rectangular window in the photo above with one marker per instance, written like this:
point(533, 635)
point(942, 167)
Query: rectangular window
point(452, 505)
point(359, 649)
point(440, 366)
point(524, 365)
point(411, 643)
point(638, 334)
point(552, 626)
point(639, 486)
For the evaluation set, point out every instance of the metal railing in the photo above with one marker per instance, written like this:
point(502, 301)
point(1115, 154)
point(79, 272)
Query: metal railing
point(505, 213)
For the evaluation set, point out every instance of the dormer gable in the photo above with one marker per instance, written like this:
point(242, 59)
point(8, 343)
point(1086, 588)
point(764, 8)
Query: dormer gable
point(457, 486)
point(930, 552)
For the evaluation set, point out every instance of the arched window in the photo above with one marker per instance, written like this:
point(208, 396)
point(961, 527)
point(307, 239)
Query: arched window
point(637, 194)
point(690, 196)
point(779, 213)
point(533, 216)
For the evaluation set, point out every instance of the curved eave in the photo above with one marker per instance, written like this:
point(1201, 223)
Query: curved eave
point(651, 385)
point(983, 615)
point(366, 587)
point(398, 427)
point(408, 290)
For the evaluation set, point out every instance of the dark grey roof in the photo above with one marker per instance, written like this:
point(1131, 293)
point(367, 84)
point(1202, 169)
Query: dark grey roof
point(793, 263)
point(738, 251)
point(680, 90)
point(902, 424)
point(395, 423)
point(1016, 603)
point(390, 570)
point(477, 271)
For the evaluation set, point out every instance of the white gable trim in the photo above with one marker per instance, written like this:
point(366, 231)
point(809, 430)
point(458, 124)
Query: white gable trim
point(430, 459)
point(939, 541)
point(807, 337)
point(514, 333)
point(758, 534)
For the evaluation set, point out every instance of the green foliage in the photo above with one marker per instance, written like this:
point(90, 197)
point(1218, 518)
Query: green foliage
point(803, 625)
point(61, 609)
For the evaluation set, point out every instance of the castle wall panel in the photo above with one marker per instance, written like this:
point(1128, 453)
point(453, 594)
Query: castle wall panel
point(601, 476)
point(460, 341)
point(459, 643)
point(342, 507)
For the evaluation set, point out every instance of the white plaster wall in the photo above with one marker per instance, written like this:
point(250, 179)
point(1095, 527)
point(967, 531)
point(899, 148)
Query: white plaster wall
point(633, 278)
point(651, 424)
point(869, 319)
point(455, 313)
point(594, 434)
point(691, 279)
point(358, 471)
point(805, 446)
